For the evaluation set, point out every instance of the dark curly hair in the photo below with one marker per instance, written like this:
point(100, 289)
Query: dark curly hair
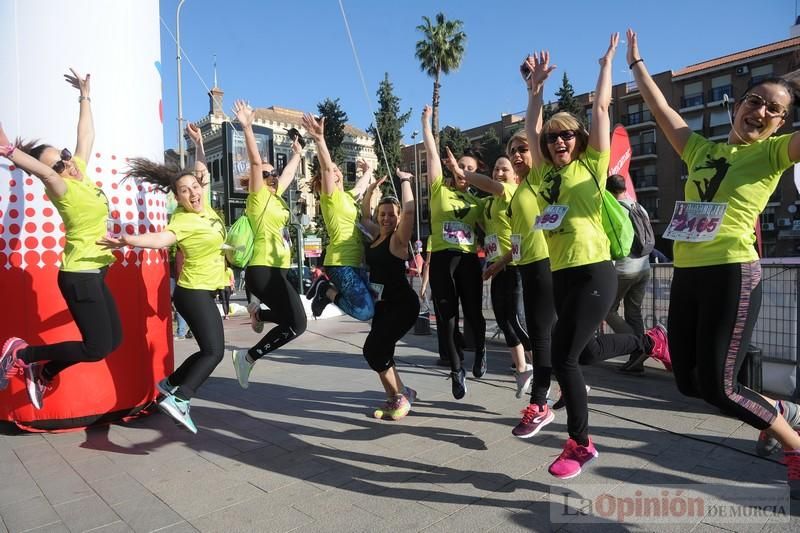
point(164, 177)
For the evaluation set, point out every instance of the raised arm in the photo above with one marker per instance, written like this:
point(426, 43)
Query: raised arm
point(50, 179)
point(365, 179)
point(484, 183)
point(366, 208)
point(200, 168)
point(535, 70)
point(402, 235)
point(316, 130)
point(246, 115)
point(434, 163)
point(671, 123)
point(83, 148)
point(162, 239)
point(599, 134)
point(290, 170)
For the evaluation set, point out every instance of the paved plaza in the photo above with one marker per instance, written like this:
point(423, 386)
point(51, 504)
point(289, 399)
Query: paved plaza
point(299, 451)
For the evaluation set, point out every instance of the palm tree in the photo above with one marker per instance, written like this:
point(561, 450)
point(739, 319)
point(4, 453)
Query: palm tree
point(440, 52)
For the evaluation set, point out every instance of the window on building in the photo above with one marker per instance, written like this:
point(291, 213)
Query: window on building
point(589, 118)
point(719, 123)
point(692, 94)
point(695, 122)
point(216, 170)
point(280, 160)
point(350, 174)
point(649, 202)
point(720, 86)
point(760, 72)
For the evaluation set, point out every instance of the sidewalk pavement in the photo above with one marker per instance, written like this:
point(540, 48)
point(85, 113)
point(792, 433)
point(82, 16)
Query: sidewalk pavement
point(299, 451)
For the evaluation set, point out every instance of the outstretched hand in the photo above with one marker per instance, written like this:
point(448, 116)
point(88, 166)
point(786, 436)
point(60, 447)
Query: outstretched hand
point(378, 183)
point(111, 243)
point(493, 269)
point(194, 133)
point(633, 47)
point(296, 148)
point(244, 113)
point(536, 68)
point(608, 57)
point(82, 84)
point(362, 166)
point(427, 112)
point(402, 175)
point(451, 163)
point(315, 127)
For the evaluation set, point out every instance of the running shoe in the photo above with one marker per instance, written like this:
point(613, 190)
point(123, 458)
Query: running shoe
point(9, 364)
point(189, 335)
point(534, 418)
point(792, 461)
point(312, 290)
point(459, 379)
point(767, 445)
point(253, 308)
point(658, 335)
point(410, 394)
point(560, 403)
point(242, 367)
point(393, 409)
point(479, 366)
point(523, 380)
point(178, 409)
point(36, 384)
point(320, 300)
point(165, 388)
point(571, 461)
point(635, 364)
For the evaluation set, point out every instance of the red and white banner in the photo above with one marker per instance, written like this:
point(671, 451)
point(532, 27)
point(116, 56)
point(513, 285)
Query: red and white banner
point(620, 161)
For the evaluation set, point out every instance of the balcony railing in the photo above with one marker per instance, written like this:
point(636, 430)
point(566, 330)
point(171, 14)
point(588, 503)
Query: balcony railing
point(643, 149)
point(644, 180)
point(716, 94)
point(631, 119)
point(692, 100)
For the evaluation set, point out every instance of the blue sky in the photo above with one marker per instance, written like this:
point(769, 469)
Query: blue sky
point(295, 54)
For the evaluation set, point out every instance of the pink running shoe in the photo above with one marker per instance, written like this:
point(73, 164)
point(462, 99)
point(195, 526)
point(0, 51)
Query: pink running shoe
point(9, 363)
point(534, 418)
point(792, 461)
point(572, 459)
point(658, 335)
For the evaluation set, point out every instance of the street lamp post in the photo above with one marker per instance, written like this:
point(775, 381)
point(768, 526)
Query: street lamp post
point(416, 178)
point(180, 94)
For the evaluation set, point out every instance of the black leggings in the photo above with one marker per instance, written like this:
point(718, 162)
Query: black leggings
point(392, 320)
point(540, 314)
point(712, 313)
point(584, 295)
point(507, 306)
point(93, 309)
point(271, 286)
point(199, 309)
point(225, 299)
point(453, 276)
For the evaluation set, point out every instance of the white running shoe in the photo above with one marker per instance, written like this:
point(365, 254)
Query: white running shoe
point(242, 367)
point(253, 307)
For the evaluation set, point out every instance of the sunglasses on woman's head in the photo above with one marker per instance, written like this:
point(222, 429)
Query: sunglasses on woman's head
point(566, 135)
point(59, 167)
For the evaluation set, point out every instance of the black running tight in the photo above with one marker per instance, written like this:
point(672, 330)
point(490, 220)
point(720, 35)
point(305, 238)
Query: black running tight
point(540, 314)
point(271, 286)
point(507, 306)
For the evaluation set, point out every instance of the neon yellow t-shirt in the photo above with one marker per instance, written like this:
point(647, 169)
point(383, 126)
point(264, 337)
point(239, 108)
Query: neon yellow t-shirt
point(580, 239)
point(524, 209)
point(454, 215)
point(496, 220)
point(200, 238)
point(741, 176)
point(340, 212)
point(268, 215)
point(84, 211)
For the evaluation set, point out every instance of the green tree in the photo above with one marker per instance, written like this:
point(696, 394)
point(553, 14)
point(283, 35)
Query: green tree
point(491, 147)
point(335, 121)
point(389, 123)
point(440, 52)
point(453, 138)
point(568, 102)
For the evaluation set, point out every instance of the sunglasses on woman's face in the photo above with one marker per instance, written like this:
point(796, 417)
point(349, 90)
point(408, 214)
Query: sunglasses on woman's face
point(59, 167)
point(566, 135)
point(755, 101)
point(270, 173)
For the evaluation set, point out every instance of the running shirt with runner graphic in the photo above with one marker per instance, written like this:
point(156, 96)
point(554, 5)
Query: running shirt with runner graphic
point(743, 177)
point(497, 223)
point(200, 237)
point(454, 215)
point(524, 209)
point(84, 211)
point(579, 239)
point(340, 212)
point(268, 215)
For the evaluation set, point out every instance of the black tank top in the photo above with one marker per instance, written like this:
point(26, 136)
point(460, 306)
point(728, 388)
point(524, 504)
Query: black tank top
point(386, 268)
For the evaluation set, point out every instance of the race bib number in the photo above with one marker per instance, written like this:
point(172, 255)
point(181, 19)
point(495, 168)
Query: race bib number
point(551, 218)
point(287, 239)
point(457, 233)
point(695, 221)
point(377, 291)
point(492, 247)
point(516, 247)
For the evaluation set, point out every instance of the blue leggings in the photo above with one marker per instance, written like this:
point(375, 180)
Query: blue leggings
point(354, 297)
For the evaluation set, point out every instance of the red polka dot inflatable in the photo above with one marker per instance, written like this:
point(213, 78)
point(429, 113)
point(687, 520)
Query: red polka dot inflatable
point(127, 124)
